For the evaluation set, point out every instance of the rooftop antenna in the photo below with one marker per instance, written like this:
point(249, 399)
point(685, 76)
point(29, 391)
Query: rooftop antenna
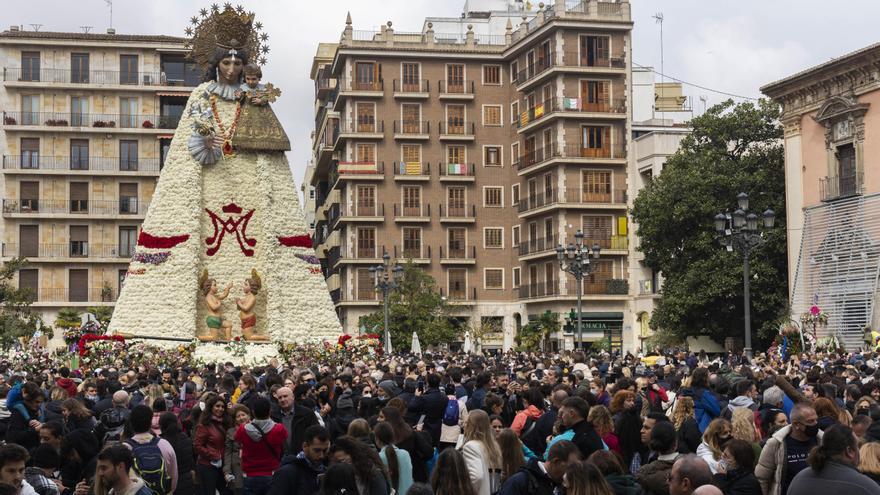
point(658, 18)
point(36, 26)
point(86, 29)
point(110, 4)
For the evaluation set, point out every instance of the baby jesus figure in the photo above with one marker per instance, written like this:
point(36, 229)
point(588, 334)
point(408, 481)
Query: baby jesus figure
point(258, 127)
point(253, 91)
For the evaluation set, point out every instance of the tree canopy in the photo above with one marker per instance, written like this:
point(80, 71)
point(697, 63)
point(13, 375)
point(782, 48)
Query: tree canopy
point(16, 318)
point(733, 148)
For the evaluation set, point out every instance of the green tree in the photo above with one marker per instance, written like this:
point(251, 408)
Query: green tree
point(532, 335)
point(102, 313)
point(733, 148)
point(69, 318)
point(415, 305)
point(16, 318)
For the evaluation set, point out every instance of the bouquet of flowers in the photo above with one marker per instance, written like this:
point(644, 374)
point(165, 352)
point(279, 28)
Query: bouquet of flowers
point(237, 347)
point(72, 336)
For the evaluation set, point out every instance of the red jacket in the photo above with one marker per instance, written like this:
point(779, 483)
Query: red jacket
point(210, 442)
point(68, 385)
point(261, 457)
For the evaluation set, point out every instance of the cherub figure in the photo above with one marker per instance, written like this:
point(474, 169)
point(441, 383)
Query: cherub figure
point(213, 301)
point(246, 306)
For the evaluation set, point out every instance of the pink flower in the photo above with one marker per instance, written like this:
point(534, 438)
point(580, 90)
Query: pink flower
point(814, 310)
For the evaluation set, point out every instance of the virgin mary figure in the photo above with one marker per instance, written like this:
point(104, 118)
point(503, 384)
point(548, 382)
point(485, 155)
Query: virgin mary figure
point(226, 212)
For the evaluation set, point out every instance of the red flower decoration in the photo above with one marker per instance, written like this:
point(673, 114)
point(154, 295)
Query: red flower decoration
point(343, 339)
point(814, 310)
point(90, 337)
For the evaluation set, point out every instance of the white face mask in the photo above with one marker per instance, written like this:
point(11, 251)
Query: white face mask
point(594, 391)
point(202, 406)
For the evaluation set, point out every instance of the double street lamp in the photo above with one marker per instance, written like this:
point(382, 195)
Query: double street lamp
point(740, 231)
point(575, 259)
point(387, 279)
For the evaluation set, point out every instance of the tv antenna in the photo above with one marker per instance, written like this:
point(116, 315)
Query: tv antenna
point(658, 18)
point(36, 26)
point(86, 29)
point(110, 4)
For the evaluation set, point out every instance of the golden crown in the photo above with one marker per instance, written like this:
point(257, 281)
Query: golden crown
point(232, 29)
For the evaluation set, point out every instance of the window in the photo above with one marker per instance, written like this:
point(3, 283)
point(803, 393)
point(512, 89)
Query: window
point(492, 196)
point(412, 159)
point(127, 241)
point(366, 242)
point(597, 230)
point(128, 198)
point(79, 241)
point(79, 154)
point(457, 283)
point(177, 71)
point(412, 242)
point(79, 197)
point(455, 78)
point(366, 76)
point(411, 114)
point(492, 115)
point(493, 237)
point(412, 201)
point(28, 278)
point(846, 170)
point(492, 156)
point(366, 201)
point(455, 119)
point(455, 155)
point(128, 155)
point(29, 192)
point(410, 76)
point(456, 238)
point(30, 110)
point(543, 56)
point(128, 112)
point(79, 108)
point(595, 96)
point(79, 68)
point(493, 278)
point(366, 285)
point(514, 195)
point(455, 202)
point(517, 279)
point(366, 117)
point(492, 74)
point(29, 239)
point(594, 51)
point(311, 193)
point(514, 71)
point(596, 187)
point(30, 66)
point(514, 112)
point(78, 285)
point(30, 152)
point(530, 64)
point(596, 142)
point(128, 69)
point(514, 235)
point(366, 153)
point(514, 153)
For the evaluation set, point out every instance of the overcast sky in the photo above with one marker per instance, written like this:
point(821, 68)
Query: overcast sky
point(730, 46)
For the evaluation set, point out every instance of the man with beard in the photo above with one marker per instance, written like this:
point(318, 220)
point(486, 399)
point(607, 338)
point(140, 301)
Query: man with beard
point(112, 478)
point(12, 464)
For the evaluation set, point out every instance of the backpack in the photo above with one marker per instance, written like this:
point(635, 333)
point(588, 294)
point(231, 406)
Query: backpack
point(150, 465)
point(112, 436)
point(450, 414)
point(531, 438)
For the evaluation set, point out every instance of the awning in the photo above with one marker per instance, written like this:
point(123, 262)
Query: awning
point(184, 94)
point(164, 136)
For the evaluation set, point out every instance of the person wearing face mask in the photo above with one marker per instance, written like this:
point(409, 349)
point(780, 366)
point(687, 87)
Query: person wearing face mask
point(833, 467)
point(715, 437)
point(735, 474)
point(597, 388)
point(785, 453)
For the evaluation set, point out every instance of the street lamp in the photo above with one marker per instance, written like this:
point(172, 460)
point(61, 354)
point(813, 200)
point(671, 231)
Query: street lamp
point(575, 259)
point(740, 231)
point(387, 279)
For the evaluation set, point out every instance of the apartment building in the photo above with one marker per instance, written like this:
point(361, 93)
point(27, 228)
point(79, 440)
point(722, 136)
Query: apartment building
point(87, 119)
point(474, 155)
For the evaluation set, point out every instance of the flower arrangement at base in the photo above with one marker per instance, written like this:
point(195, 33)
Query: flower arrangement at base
point(237, 347)
point(814, 318)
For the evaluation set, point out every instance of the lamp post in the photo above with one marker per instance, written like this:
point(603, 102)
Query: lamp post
point(575, 260)
point(387, 279)
point(740, 231)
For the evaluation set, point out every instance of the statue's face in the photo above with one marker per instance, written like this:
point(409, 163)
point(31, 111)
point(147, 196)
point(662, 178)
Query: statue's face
point(247, 287)
point(213, 289)
point(252, 80)
point(229, 69)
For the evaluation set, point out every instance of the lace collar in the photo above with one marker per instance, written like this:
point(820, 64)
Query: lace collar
point(225, 91)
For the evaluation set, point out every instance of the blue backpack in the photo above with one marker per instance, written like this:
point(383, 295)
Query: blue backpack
point(150, 466)
point(450, 415)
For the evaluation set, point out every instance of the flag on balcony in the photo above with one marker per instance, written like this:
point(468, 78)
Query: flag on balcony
point(539, 110)
point(523, 118)
point(413, 168)
point(455, 169)
point(570, 103)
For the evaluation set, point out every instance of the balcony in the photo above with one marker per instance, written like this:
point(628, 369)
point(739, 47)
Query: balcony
point(611, 198)
point(40, 207)
point(590, 63)
point(412, 130)
point(539, 200)
point(354, 255)
point(367, 129)
point(614, 108)
point(73, 249)
point(411, 89)
point(457, 131)
point(839, 187)
point(460, 90)
point(324, 85)
point(89, 122)
point(609, 243)
point(357, 89)
point(420, 255)
point(412, 171)
point(63, 165)
point(460, 255)
point(539, 289)
point(571, 152)
point(89, 296)
point(459, 296)
point(545, 245)
point(359, 213)
point(355, 171)
point(458, 214)
point(412, 214)
point(611, 288)
point(533, 73)
point(95, 78)
point(457, 172)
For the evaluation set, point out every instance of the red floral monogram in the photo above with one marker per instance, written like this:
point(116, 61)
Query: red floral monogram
point(230, 225)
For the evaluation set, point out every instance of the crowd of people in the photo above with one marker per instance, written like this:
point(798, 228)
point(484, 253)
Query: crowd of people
point(571, 423)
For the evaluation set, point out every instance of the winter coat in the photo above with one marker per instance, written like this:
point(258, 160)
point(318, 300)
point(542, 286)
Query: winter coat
point(706, 407)
point(624, 484)
point(478, 467)
point(835, 478)
point(68, 385)
point(738, 482)
point(529, 480)
point(295, 477)
point(586, 438)
point(771, 465)
point(232, 459)
point(519, 421)
point(431, 404)
point(419, 447)
point(689, 436)
point(653, 477)
point(20, 431)
point(186, 464)
point(210, 442)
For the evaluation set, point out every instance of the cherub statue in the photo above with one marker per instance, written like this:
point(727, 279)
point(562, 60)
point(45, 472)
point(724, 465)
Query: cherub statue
point(213, 300)
point(246, 306)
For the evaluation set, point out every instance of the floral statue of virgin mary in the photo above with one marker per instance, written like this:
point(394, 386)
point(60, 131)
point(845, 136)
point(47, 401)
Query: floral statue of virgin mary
point(224, 251)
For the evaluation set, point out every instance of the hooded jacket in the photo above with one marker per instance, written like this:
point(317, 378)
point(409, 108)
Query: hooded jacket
point(262, 442)
point(68, 385)
point(653, 477)
point(519, 421)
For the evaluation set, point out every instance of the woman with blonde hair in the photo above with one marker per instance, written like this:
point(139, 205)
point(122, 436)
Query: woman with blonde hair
point(481, 454)
point(685, 422)
point(600, 417)
point(742, 427)
point(869, 461)
point(714, 438)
